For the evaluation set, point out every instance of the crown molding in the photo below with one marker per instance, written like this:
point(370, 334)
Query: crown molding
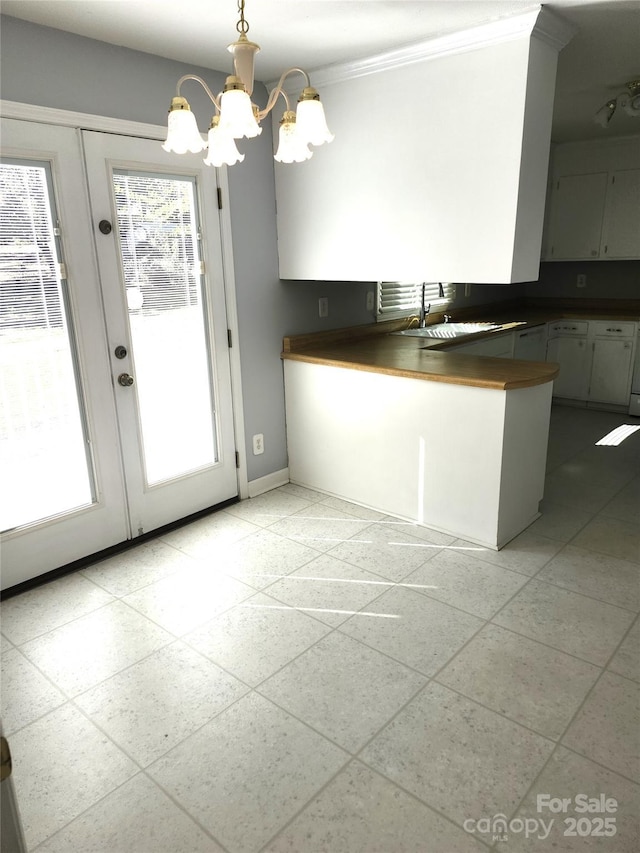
point(86, 121)
point(553, 29)
point(539, 23)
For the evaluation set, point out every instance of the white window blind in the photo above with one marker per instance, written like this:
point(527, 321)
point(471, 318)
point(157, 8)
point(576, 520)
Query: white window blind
point(44, 446)
point(158, 233)
point(404, 298)
point(30, 295)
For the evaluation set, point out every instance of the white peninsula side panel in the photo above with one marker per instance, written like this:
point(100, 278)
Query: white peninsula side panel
point(464, 460)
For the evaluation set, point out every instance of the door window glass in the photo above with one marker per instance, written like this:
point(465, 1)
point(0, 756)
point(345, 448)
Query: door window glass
point(44, 448)
point(163, 278)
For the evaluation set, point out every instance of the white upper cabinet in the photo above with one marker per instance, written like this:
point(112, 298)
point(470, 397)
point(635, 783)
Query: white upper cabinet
point(595, 201)
point(438, 170)
point(621, 226)
point(576, 216)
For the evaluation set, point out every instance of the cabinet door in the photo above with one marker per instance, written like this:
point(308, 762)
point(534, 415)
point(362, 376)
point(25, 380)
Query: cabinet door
point(621, 227)
point(577, 207)
point(572, 354)
point(611, 371)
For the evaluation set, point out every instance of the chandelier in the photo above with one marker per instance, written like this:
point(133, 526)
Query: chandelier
point(629, 101)
point(236, 116)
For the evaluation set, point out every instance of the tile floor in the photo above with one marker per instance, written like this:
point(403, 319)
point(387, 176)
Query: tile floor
point(297, 673)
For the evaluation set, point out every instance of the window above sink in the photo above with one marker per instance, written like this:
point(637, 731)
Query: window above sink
point(396, 299)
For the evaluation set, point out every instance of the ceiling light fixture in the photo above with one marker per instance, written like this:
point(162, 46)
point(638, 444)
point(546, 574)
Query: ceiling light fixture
point(628, 101)
point(236, 116)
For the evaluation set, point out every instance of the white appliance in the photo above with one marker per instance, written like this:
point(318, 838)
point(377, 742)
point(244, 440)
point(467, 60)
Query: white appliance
point(634, 402)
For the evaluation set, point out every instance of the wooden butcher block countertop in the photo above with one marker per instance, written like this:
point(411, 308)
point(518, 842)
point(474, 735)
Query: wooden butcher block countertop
point(375, 349)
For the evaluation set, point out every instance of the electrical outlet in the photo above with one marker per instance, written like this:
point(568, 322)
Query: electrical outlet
point(371, 301)
point(258, 444)
point(323, 306)
point(581, 281)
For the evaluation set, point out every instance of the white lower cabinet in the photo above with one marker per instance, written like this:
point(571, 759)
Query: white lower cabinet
point(612, 362)
point(595, 358)
point(573, 356)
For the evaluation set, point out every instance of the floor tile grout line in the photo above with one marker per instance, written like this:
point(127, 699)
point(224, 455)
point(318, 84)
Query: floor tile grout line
point(542, 643)
point(64, 695)
point(546, 583)
point(351, 753)
point(252, 592)
point(355, 759)
point(333, 629)
point(595, 761)
point(174, 573)
point(592, 596)
point(177, 640)
point(385, 581)
point(72, 697)
point(101, 799)
point(605, 553)
point(468, 612)
point(254, 687)
point(176, 802)
point(418, 799)
point(62, 624)
point(559, 742)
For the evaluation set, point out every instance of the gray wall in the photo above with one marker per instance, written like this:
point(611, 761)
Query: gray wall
point(605, 280)
point(52, 68)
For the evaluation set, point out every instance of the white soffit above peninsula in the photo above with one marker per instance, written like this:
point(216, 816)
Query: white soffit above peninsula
point(597, 62)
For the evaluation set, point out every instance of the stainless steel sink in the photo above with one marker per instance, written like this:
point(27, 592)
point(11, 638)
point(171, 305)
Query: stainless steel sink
point(442, 331)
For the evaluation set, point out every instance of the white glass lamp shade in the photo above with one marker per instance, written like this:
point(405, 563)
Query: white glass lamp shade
point(236, 113)
point(291, 148)
point(182, 131)
point(222, 147)
point(310, 119)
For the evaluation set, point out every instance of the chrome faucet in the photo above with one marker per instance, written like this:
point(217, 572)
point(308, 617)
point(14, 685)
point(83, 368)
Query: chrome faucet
point(424, 310)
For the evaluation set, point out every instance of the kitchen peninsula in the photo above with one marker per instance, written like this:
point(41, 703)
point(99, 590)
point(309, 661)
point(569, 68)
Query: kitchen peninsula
point(453, 442)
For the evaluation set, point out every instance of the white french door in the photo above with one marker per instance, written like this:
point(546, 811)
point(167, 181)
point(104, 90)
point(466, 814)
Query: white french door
point(116, 410)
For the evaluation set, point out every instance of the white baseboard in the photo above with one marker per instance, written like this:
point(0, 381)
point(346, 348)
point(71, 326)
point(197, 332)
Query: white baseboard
point(268, 482)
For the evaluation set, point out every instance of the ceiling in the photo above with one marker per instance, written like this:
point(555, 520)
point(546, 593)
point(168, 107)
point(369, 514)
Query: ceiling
point(602, 56)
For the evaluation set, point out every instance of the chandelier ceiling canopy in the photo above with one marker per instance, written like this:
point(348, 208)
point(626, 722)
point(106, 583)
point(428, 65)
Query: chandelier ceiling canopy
point(236, 116)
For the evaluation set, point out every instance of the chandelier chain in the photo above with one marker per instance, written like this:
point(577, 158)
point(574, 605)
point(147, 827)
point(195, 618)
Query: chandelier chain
point(242, 26)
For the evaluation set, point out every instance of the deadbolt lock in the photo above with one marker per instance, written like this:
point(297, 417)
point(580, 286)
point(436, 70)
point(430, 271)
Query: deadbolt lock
point(105, 226)
point(125, 380)
point(120, 351)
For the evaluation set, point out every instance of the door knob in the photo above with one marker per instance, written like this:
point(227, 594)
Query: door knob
point(125, 380)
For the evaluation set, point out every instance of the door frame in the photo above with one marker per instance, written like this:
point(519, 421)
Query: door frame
point(86, 121)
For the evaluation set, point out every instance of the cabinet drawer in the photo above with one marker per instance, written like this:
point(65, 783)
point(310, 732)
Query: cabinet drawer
point(612, 329)
point(570, 327)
